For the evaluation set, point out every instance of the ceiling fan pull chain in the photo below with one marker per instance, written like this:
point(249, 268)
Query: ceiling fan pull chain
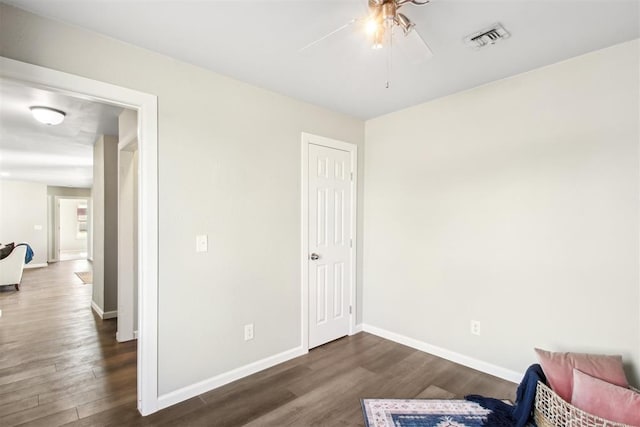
point(389, 55)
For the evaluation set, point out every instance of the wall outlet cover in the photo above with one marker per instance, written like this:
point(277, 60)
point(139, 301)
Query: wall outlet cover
point(248, 332)
point(475, 327)
point(202, 244)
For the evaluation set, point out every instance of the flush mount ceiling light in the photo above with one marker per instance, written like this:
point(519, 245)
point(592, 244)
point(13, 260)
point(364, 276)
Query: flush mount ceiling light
point(48, 116)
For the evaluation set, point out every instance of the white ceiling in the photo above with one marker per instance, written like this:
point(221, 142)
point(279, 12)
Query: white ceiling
point(258, 41)
point(53, 155)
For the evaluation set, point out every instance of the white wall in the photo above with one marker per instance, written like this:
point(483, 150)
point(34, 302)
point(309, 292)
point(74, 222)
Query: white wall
point(515, 204)
point(229, 167)
point(23, 209)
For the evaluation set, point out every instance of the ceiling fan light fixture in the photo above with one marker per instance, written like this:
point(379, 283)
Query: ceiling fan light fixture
point(47, 116)
point(404, 22)
point(389, 10)
point(378, 40)
point(380, 26)
point(372, 26)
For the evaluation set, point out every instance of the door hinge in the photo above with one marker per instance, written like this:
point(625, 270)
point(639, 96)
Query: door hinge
point(350, 310)
point(351, 176)
point(350, 243)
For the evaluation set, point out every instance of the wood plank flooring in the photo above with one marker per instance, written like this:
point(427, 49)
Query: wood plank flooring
point(61, 365)
point(58, 361)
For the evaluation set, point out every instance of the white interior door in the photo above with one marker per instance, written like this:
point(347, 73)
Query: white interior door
point(329, 243)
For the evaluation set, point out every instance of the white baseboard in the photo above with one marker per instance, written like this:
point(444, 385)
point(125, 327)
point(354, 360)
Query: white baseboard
point(110, 314)
point(104, 315)
point(462, 359)
point(97, 309)
point(125, 338)
point(196, 389)
point(40, 265)
point(357, 329)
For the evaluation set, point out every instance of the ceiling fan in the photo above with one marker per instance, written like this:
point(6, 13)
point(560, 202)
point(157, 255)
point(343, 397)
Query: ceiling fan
point(383, 24)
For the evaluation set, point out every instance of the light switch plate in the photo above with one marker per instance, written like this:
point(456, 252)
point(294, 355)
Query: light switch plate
point(202, 244)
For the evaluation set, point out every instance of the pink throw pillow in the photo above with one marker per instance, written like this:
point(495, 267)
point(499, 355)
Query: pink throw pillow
point(558, 368)
point(605, 400)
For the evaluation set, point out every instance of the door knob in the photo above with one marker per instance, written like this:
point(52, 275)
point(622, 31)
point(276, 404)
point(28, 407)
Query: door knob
point(314, 257)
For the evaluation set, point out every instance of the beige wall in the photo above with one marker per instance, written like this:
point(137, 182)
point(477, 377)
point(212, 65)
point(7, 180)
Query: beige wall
point(229, 167)
point(110, 223)
point(105, 223)
point(53, 190)
point(515, 204)
point(23, 206)
point(128, 225)
point(97, 211)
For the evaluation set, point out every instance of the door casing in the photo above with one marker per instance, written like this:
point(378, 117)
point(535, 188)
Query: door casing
point(147, 107)
point(308, 139)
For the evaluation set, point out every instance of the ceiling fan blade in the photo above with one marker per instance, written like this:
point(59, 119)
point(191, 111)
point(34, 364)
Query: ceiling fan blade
point(326, 36)
point(412, 46)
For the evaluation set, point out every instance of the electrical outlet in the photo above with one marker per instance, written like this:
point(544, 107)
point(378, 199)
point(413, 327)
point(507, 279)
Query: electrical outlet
point(248, 332)
point(475, 327)
point(202, 243)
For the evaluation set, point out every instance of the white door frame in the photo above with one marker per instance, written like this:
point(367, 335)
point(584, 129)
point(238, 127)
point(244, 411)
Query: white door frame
point(308, 139)
point(56, 222)
point(147, 107)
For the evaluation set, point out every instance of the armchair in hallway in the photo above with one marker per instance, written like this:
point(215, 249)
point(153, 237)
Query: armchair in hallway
point(11, 267)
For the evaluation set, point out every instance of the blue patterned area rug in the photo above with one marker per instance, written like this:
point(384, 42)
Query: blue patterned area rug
point(423, 413)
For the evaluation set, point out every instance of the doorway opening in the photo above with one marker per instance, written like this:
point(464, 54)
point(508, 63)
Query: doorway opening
point(147, 233)
point(72, 231)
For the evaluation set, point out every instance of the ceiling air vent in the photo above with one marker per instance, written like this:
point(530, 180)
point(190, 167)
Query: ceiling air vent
point(486, 37)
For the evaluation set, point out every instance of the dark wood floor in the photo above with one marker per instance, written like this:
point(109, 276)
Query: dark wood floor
point(59, 365)
point(58, 360)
